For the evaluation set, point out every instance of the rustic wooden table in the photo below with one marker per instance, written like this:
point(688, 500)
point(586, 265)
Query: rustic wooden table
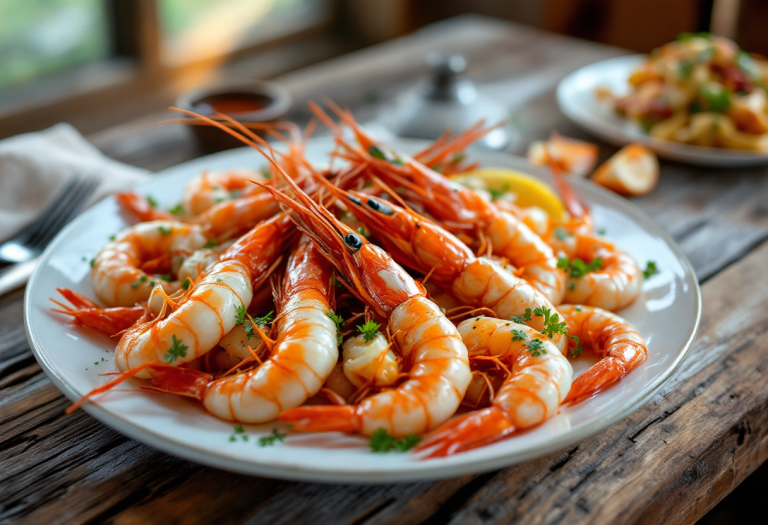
point(670, 461)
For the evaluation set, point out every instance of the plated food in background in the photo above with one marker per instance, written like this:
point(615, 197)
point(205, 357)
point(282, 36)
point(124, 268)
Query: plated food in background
point(699, 100)
point(374, 297)
point(701, 90)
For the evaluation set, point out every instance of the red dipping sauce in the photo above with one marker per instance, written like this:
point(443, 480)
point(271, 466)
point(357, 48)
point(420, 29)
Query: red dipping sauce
point(233, 103)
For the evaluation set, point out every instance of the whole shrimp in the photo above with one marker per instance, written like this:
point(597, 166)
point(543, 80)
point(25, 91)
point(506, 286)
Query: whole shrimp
point(598, 273)
point(538, 380)
point(435, 357)
point(209, 189)
point(605, 333)
point(426, 247)
point(222, 221)
point(302, 358)
point(457, 208)
point(118, 275)
point(208, 310)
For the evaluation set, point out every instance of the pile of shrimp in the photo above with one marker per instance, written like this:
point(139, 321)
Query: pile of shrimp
point(374, 296)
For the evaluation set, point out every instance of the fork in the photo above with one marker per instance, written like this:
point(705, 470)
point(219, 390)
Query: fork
point(25, 248)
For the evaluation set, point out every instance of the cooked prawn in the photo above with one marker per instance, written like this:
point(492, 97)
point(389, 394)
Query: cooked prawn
point(209, 308)
point(118, 276)
point(433, 355)
point(539, 380)
point(426, 247)
point(302, 358)
point(605, 333)
point(211, 188)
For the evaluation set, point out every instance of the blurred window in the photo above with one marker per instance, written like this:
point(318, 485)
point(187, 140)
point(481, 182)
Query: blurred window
point(195, 29)
point(39, 37)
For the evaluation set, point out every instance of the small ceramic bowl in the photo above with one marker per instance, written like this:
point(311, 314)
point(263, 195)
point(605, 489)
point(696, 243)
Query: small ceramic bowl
point(244, 101)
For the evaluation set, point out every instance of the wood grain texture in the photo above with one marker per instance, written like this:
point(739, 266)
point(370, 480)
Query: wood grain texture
point(671, 461)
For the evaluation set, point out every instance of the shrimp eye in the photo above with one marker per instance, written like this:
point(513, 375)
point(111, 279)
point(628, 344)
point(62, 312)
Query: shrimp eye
point(377, 206)
point(355, 200)
point(353, 241)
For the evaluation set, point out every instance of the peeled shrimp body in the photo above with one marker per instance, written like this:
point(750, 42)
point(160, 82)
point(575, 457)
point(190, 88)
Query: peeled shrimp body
point(370, 362)
point(208, 310)
point(117, 277)
point(605, 333)
point(614, 286)
point(539, 381)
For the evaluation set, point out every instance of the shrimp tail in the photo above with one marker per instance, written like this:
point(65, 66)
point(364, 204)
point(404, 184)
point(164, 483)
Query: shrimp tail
point(466, 432)
point(325, 418)
point(138, 207)
point(178, 381)
point(84, 312)
point(600, 376)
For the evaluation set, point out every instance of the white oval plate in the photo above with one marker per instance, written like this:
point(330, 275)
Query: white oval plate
point(667, 315)
point(578, 101)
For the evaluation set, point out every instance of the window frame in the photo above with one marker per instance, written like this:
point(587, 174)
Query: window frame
point(136, 65)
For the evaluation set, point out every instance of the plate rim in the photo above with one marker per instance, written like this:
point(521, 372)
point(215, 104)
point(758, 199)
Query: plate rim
point(613, 134)
point(205, 456)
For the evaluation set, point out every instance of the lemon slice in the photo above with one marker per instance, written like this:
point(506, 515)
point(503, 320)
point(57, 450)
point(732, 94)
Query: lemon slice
point(529, 190)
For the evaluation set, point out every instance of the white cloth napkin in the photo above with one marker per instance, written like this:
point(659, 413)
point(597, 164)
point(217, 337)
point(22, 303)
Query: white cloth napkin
point(34, 167)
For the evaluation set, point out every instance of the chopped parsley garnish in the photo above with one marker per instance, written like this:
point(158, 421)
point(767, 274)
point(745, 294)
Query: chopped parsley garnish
point(93, 262)
point(578, 308)
point(576, 352)
point(601, 231)
point(650, 269)
point(185, 285)
point(135, 285)
point(164, 230)
point(151, 201)
point(112, 237)
point(579, 268)
point(714, 98)
point(552, 323)
point(143, 279)
point(177, 210)
point(178, 349)
point(522, 319)
point(238, 431)
point(518, 335)
point(382, 441)
point(571, 286)
point(369, 330)
point(167, 277)
point(234, 194)
point(536, 347)
point(560, 233)
point(268, 441)
point(240, 315)
point(266, 173)
point(339, 322)
point(497, 193)
point(362, 231)
point(264, 319)
point(685, 68)
point(210, 244)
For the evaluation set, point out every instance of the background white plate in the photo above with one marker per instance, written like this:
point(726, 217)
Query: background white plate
point(578, 101)
point(667, 314)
